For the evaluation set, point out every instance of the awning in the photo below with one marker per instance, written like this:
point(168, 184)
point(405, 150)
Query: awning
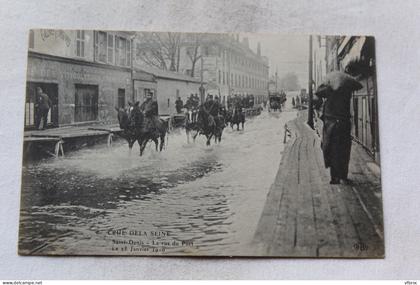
point(354, 53)
point(343, 45)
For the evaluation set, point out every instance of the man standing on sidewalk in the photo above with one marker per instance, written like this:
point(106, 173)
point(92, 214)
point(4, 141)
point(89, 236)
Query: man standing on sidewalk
point(336, 135)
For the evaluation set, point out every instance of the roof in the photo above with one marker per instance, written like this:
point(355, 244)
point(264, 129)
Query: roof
point(160, 73)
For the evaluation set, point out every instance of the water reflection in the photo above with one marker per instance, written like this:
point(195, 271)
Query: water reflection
point(212, 196)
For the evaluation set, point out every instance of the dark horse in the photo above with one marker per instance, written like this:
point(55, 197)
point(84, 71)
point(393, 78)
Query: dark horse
point(275, 105)
point(237, 117)
point(141, 134)
point(209, 126)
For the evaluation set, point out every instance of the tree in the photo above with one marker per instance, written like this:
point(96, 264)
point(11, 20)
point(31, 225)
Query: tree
point(194, 49)
point(289, 82)
point(161, 50)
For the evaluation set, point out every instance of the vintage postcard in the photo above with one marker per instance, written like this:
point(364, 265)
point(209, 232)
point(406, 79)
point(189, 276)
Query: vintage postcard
point(189, 144)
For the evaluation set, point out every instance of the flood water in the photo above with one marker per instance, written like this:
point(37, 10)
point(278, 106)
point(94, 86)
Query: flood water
point(210, 197)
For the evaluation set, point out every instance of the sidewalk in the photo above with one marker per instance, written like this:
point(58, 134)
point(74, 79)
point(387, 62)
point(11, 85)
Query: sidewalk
point(306, 216)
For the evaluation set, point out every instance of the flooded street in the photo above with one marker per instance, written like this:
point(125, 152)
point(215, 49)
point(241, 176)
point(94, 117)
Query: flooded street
point(211, 197)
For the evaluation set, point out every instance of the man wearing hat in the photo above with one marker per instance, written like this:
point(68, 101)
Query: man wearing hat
point(179, 104)
point(336, 134)
point(44, 105)
point(150, 111)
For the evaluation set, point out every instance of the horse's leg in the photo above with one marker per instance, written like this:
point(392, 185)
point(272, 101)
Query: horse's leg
point(140, 146)
point(195, 136)
point(162, 141)
point(130, 144)
point(143, 146)
point(188, 135)
point(209, 139)
point(156, 141)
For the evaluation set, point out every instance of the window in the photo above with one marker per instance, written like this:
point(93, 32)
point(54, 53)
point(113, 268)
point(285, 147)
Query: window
point(122, 46)
point(121, 98)
point(110, 48)
point(220, 77)
point(102, 46)
point(86, 103)
point(122, 51)
point(80, 43)
point(128, 53)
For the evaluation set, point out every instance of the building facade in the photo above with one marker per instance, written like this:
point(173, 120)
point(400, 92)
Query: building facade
point(165, 86)
point(356, 55)
point(223, 64)
point(85, 74)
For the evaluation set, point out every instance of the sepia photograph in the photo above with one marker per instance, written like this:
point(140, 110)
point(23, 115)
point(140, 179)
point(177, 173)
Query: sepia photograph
point(201, 144)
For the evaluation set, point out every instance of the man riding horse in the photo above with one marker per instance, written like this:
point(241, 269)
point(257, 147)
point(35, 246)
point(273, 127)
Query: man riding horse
point(236, 115)
point(141, 124)
point(210, 122)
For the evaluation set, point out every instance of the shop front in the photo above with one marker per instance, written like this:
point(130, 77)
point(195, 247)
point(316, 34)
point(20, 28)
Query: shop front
point(80, 91)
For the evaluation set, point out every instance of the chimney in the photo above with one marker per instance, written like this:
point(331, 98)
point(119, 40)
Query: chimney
point(245, 42)
point(259, 49)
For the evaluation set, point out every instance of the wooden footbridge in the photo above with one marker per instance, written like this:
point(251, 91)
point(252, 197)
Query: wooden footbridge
point(51, 140)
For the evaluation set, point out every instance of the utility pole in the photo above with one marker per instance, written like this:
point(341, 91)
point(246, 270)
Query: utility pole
point(310, 95)
point(276, 79)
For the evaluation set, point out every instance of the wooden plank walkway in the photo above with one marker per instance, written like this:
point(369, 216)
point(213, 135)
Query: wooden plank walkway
point(43, 138)
point(305, 216)
point(74, 131)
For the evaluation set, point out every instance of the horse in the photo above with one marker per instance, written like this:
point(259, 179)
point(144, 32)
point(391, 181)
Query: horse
point(274, 105)
point(209, 126)
point(191, 125)
point(141, 133)
point(237, 117)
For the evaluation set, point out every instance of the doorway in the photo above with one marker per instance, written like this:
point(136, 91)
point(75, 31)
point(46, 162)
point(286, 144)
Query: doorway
point(32, 116)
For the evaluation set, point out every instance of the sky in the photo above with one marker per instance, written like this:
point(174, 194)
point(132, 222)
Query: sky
point(287, 53)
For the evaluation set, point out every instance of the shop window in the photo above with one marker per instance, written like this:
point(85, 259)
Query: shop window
point(86, 103)
point(80, 43)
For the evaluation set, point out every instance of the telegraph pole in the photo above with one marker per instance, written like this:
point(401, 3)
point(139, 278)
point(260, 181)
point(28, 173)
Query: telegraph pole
point(310, 91)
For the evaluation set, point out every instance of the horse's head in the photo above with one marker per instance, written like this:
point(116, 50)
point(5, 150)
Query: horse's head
point(122, 118)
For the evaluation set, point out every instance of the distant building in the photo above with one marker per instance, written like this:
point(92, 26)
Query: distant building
point(228, 66)
point(85, 73)
point(165, 86)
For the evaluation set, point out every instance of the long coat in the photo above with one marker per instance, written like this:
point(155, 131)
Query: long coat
point(336, 138)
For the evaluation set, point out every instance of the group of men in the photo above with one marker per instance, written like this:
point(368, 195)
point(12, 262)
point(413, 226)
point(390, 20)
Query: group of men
point(147, 112)
point(240, 101)
point(192, 103)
